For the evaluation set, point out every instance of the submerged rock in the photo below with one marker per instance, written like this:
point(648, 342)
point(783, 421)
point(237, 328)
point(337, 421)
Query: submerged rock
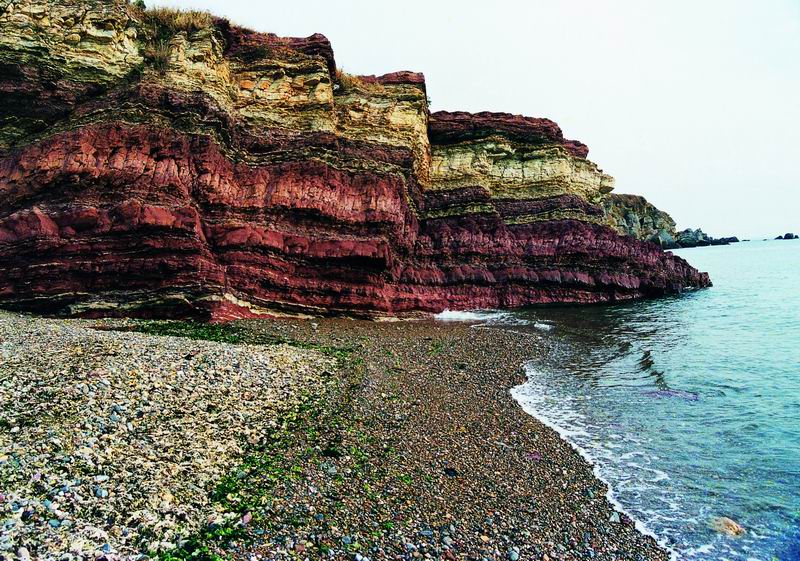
point(725, 525)
point(680, 394)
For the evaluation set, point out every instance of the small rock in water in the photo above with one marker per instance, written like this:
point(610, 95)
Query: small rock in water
point(725, 525)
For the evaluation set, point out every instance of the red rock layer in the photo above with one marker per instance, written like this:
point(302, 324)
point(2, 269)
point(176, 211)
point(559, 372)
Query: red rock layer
point(147, 198)
point(132, 213)
point(447, 127)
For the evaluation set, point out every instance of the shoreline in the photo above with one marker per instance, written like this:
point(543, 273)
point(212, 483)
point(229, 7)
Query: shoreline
point(424, 454)
point(640, 525)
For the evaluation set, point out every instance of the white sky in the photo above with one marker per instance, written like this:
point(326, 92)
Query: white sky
point(694, 104)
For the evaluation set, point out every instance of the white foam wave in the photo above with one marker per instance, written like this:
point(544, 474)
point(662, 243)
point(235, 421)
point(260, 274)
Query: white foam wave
point(706, 548)
point(483, 316)
point(568, 424)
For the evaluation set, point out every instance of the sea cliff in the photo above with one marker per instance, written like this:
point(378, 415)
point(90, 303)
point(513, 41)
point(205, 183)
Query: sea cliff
point(172, 164)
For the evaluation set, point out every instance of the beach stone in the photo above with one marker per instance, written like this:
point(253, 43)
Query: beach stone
point(513, 555)
point(614, 518)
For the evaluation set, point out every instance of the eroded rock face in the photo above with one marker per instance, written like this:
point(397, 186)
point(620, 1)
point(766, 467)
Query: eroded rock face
point(633, 215)
point(240, 174)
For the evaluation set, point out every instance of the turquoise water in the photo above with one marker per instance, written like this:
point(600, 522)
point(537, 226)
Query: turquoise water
point(688, 406)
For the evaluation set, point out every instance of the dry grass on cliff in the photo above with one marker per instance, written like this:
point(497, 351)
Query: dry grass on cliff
point(347, 81)
point(171, 21)
point(351, 82)
point(160, 25)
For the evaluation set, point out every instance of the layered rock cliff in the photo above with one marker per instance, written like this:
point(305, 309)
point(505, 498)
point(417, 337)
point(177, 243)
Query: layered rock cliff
point(156, 163)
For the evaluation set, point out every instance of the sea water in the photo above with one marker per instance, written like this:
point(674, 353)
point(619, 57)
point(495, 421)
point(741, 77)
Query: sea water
point(688, 406)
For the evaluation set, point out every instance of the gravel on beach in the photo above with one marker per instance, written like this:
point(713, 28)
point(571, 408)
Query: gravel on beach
point(112, 440)
point(110, 436)
point(442, 462)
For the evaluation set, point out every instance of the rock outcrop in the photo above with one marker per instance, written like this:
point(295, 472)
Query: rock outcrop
point(698, 238)
point(165, 164)
point(633, 215)
point(788, 236)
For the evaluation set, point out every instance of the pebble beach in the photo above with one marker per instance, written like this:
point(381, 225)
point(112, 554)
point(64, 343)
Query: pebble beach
point(286, 439)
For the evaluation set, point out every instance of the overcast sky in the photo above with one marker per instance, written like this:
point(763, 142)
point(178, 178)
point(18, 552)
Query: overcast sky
point(693, 104)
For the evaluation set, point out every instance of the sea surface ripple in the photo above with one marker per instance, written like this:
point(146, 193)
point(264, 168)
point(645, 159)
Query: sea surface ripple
point(688, 406)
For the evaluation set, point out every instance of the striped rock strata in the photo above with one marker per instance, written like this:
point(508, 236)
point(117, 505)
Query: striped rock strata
point(159, 164)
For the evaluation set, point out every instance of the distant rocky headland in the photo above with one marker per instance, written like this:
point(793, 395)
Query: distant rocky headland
point(698, 238)
point(632, 215)
point(164, 164)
